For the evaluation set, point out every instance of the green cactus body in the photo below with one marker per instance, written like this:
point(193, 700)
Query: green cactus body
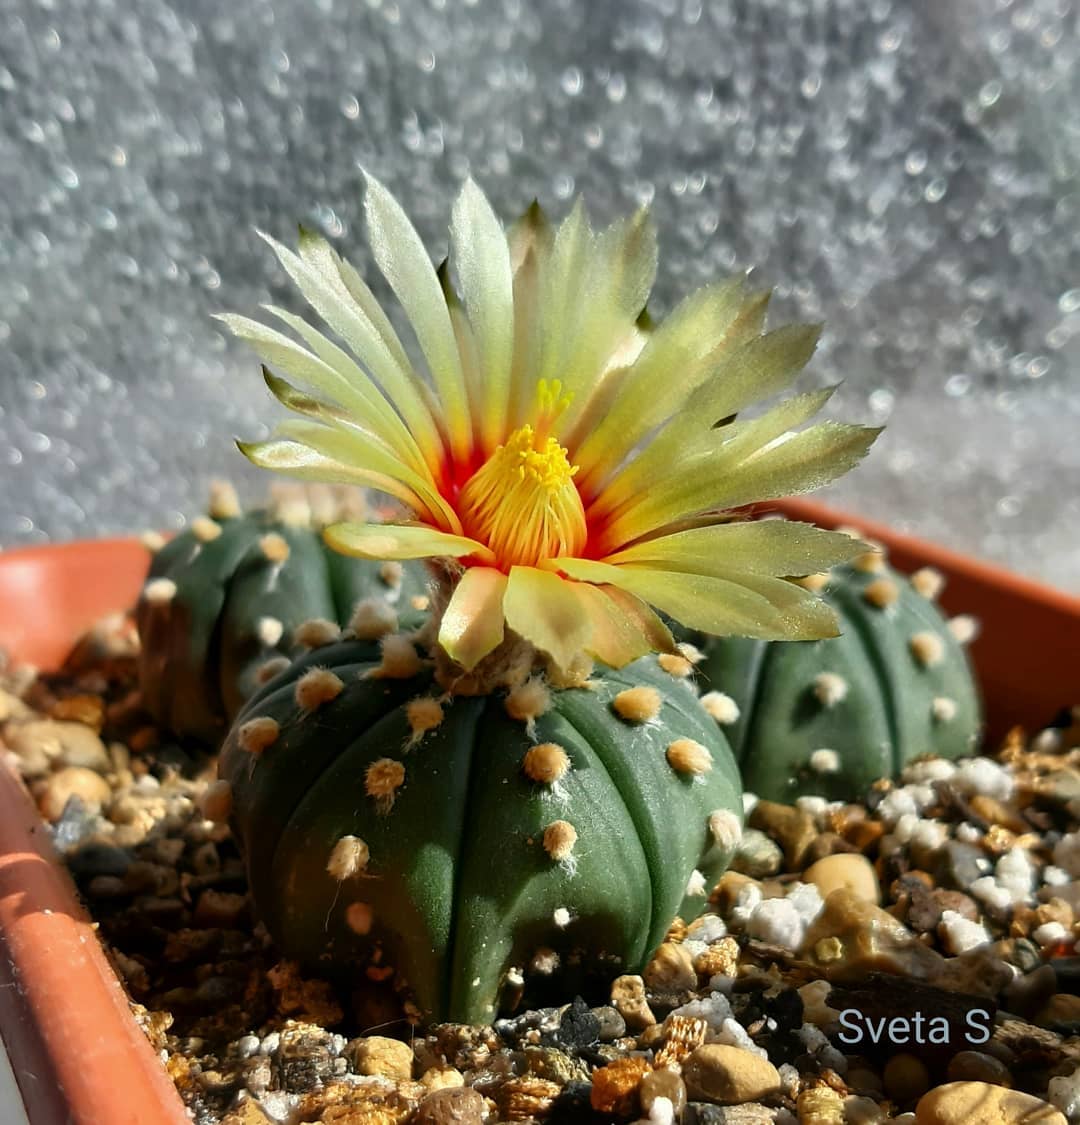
point(389, 824)
point(226, 595)
point(830, 717)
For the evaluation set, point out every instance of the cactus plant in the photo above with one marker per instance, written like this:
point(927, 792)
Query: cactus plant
point(457, 839)
point(522, 781)
point(237, 589)
point(830, 717)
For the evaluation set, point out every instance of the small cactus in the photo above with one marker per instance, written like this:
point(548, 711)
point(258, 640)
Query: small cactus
point(830, 717)
point(237, 589)
point(455, 839)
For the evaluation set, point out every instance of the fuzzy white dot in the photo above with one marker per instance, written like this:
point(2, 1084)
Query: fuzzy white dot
point(561, 917)
point(927, 648)
point(348, 858)
point(825, 761)
point(964, 628)
point(725, 829)
point(159, 591)
point(400, 660)
point(943, 709)
point(929, 582)
point(721, 707)
point(559, 839)
point(205, 529)
point(275, 547)
point(271, 668)
point(372, 618)
point(317, 687)
point(317, 632)
point(257, 734)
point(224, 503)
point(269, 630)
point(830, 688)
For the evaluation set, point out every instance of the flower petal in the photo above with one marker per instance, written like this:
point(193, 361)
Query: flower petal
point(472, 624)
point(405, 264)
point(542, 607)
point(481, 258)
point(623, 627)
point(773, 547)
point(401, 541)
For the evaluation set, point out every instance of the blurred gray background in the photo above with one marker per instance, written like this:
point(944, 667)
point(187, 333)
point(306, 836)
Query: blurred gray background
point(907, 171)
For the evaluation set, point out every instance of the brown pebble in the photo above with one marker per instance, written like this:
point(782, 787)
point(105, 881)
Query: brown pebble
point(628, 999)
point(65, 743)
point(671, 969)
point(980, 1103)
point(727, 1075)
point(376, 1054)
point(905, 1078)
point(73, 781)
point(1060, 1008)
point(521, 1099)
point(460, 1105)
point(975, 1066)
point(820, 1105)
point(663, 1084)
point(793, 829)
point(851, 871)
point(220, 910)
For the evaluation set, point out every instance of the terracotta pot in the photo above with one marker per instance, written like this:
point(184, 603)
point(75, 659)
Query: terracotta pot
point(76, 1052)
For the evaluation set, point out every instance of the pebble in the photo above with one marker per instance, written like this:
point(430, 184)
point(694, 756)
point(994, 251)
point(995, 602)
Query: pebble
point(757, 855)
point(981, 1103)
point(460, 1105)
point(73, 781)
point(663, 1084)
point(716, 1072)
point(1062, 1007)
point(905, 1078)
point(220, 909)
point(792, 828)
point(377, 1054)
point(670, 970)
point(976, 1066)
point(852, 872)
point(611, 1024)
point(615, 1086)
point(73, 744)
point(752, 1113)
point(820, 1105)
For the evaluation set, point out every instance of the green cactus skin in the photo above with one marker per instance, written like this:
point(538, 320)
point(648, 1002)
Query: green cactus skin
point(865, 695)
point(460, 886)
point(227, 605)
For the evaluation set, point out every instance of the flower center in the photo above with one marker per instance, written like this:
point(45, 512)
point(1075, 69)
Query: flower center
point(522, 502)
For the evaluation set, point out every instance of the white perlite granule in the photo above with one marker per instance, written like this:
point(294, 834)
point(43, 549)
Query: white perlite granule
point(959, 934)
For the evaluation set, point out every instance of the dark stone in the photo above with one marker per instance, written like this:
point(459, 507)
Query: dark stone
point(97, 859)
point(578, 1027)
point(961, 864)
point(573, 1107)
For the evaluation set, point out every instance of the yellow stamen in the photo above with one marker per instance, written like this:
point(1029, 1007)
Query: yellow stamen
point(522, 502)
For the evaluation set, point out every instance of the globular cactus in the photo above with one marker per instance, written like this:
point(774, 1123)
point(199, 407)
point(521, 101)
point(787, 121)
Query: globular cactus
point(236, 589)
point(832, 716)
point(462, 841)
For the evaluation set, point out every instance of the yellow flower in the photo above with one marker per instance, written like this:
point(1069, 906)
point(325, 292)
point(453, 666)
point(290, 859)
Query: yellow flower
point(577, 463)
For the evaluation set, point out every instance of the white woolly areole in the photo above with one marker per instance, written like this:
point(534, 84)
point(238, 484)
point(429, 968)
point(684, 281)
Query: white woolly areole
point(159, 591)
point(559, 839)
point(964, 628)
point(695, 885)
point(725, 829)
point(269, 630)
point(153, 541)
point(721, 707)
point(928, 582)
point(561, 917)
point(927, 648)
point(830, 688)
point(528, 701)
point(316, 687)
point(372, 618)
point(224, 503)
point(825, 761)
point(271, 668)
point(317, 632)
point(205, 529)
point(257, 734)
point(943, 709)
point(400, 660)
point(349, 857)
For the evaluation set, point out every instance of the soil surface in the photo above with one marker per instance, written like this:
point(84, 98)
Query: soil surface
point(917, 949)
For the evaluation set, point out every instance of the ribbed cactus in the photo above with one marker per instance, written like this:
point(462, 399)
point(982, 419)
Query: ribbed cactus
point(832, 716)
point(459, 839)
point(238, 588)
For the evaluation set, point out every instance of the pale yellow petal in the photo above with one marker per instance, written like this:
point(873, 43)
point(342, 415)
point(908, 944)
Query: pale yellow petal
point(401, 541)
point(543, 609)
point(480, 257)
point(472, 625)
point(405, 264)
point(622, 627)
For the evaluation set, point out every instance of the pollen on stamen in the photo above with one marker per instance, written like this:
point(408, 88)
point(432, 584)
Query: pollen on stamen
point(559, 839)
point(928, 581)
point(637, 704)
point(224, 503)
point(684, 755)
point(527, 702)
point(382, 781)
point(423, 714)
point(274, 547)
point(725, 829)
point(257, 734)
point(721, 707)
point(881, 593)
point(348, 858)
point(159, 591)
point(830, 688)
point(269, 630)
point(547, 763)
point(271, 668)
point(943, 709)
point(317, 632)
point(964, 628)
point(371, 619)
point(927, 648)
point(316, 687)
point(205, 529)
point(675, 665)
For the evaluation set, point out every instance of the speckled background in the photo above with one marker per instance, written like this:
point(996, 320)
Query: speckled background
point(907, 171)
